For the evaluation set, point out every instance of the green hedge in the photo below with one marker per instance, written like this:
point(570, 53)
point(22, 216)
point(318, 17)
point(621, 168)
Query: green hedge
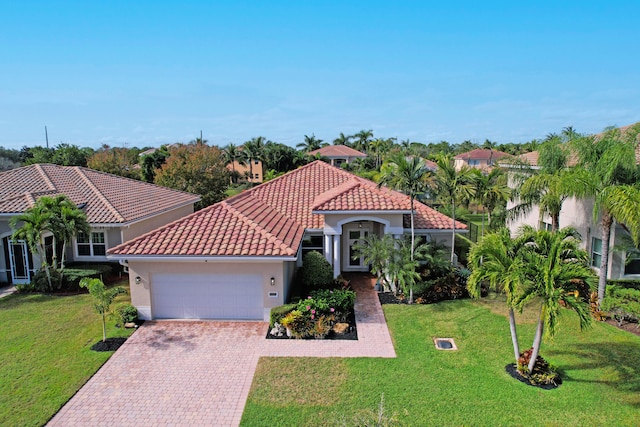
point(624, 283)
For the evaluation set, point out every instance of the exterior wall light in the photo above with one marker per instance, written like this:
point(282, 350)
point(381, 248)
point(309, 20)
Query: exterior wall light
point(138, 280)
point(273, 281)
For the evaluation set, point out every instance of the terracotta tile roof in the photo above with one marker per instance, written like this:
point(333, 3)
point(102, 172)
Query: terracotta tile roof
point(109, 199)
point(482, 154)
point(270, 219)
point(339, 151)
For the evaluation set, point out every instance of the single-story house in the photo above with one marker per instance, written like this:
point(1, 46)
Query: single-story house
point(480, 158)
point(237, 259)
point(338, 154)
point(118, 209)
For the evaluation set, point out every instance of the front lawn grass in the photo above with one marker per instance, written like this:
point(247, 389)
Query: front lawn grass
point(45, 354)
point(424, 386)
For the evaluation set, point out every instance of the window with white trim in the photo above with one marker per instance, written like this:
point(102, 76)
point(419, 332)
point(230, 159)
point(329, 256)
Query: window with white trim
point(92, 244)
point(596, 252)
point(312, 242)
point(545, 226)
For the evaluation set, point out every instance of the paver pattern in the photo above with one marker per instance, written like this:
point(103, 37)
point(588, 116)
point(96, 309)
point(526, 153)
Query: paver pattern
point(183, 373)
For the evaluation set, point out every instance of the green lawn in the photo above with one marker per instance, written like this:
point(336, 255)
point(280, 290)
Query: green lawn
point(424, 386)
point(45, 354)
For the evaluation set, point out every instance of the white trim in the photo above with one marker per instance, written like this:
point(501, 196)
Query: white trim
point(188, 258)
point(331, 230)
point(144, 312)
point(435, 231)
point(77, 256)
point(363, 212)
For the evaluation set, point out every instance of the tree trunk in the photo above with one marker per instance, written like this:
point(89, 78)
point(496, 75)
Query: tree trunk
point(607, 221)
point(514, 334)
point(413, 246)
point(555, 221)
point(43, 260)
point(537, 341)
point(453, 235)
point(104, 327)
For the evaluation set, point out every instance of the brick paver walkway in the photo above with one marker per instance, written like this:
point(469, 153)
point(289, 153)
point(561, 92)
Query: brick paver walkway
point(199, 373)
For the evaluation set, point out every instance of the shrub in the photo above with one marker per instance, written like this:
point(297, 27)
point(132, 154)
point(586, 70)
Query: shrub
point(622, 304)
point(277, 313)
point(127, 314)
point(337, 303)
point(73, 276)
point(543, 371)
point(299, 324)
point(316, 271)
point(622, 283)
point(452, 285)
point(40, 282)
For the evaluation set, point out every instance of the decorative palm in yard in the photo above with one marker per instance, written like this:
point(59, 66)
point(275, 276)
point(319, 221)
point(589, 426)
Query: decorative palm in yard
point(536, 266)
point(103, 298)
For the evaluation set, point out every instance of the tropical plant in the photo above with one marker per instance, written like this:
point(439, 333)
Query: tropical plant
point(310, 143)
point(495, 260)
point(232, 155)
point(554, 268)
point(342, 139)
point(452, 185)
point(610, 173)
point(102, 298)
point(411, 176)
point(491, 191)
point(34, 223)
point(362, 140)
point(376, 252)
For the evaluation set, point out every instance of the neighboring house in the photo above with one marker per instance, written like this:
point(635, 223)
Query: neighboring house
point(578, 213)
point(118, 209)
point(245, 172)
point(338, 154)
point(237, 259)
point(480, 158)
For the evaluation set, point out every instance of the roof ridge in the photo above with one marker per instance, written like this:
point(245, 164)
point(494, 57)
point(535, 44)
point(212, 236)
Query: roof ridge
point(45, 176)
point(270, 236)
point(98, 193)
point(334, 192)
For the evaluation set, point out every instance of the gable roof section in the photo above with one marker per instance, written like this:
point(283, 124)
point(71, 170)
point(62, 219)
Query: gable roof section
point(482, 154)
point(269, 220)
point(338, 151)
point(108, 199)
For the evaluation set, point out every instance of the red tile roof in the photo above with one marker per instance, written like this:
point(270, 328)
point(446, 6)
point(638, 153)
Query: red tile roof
point(339, 151)
point(270, 219)
point(482, 154)
point(109, 199)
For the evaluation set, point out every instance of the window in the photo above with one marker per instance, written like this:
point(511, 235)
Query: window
point(256, 176)
point(93, 244)
point(313, 242)
point(474, 162)
point(257, 162)
point(632, 264)
point(544, 226)
point(596, 252)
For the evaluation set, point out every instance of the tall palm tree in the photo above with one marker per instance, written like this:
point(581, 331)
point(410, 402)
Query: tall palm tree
point(310, 143)
point(608, 162)
point(491, 191)
point(342, 139)
point(232, 155)
point(451, 186)
point(548, 187)
point(252, 151)
point(34, 222)
point(553, 266)
point(72, 222)
point(495, 259)
point(362, 140)
point(410, 176)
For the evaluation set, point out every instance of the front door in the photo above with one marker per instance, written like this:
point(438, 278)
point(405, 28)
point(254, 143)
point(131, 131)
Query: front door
point(19, 260)
point(351, 261)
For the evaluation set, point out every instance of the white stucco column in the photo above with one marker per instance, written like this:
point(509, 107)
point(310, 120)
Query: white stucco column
point(336, 255)
point(328, 248)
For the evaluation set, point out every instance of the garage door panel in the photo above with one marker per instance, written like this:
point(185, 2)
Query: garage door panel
point(207, 296)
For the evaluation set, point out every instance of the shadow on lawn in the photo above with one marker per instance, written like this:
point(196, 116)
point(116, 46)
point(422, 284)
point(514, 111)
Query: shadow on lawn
point(623, 358)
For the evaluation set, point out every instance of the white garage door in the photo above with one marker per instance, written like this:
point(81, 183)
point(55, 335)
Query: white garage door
point(206, 296)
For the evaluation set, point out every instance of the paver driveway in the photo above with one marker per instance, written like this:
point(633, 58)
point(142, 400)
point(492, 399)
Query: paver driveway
point(200, 373)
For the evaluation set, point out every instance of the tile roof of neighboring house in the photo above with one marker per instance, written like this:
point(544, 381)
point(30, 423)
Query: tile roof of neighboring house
point(431, 165)
point(339, 151)
point(270, 219)
point(482, 154)
point(108, 199)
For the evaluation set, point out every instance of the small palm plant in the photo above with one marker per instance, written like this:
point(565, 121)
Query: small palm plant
point(103, 298)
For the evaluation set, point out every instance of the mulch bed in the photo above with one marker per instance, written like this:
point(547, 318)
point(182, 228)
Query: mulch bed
point(391, 298)
point(511, 370)
point(631, 327)
point(111, 344)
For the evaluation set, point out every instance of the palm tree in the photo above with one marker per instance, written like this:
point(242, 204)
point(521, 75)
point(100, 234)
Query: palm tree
point(495, 259)
point(376, 252)
point(72, 222)
point(491, 191)
point(553, 266)
point(452, 185)
point(547, 187)
point(311, 143)
point(362, 140)
point(342, 139)
point(34, 223)
point(252, 151)
point(232, 155)
point(608, 163)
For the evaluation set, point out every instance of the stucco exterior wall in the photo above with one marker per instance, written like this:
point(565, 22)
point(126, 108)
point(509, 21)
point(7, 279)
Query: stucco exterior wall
point(141, 293)
point(136, 229)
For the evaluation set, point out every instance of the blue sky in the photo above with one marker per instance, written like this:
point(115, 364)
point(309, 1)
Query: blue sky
point(147, 73)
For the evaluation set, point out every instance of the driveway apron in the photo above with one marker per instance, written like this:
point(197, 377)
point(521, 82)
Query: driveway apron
point(198, 373)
